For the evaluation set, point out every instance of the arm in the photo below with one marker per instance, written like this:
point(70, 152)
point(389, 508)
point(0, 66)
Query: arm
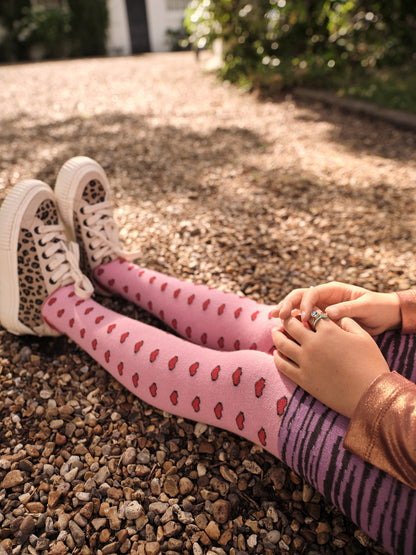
point(342, 366)
point(382, 430)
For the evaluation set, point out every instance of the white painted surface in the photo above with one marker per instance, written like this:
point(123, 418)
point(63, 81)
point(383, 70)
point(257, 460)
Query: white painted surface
point(163, 15)
point(118, 39)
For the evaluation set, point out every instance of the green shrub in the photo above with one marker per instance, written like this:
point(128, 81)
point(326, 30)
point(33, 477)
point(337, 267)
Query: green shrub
point(89, 23)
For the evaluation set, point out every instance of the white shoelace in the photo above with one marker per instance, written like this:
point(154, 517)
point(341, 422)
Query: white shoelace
point(63, 260)
point(104, 231)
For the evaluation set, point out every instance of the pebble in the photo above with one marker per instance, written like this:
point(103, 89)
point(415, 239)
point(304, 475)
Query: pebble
point(221, 510)
point(77, 533)
point(132, 510)
point(12, 479)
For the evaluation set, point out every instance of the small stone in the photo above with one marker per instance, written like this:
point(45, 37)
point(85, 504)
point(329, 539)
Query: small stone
point(76, 533)
point(213, 531)
point(27, 525)
point(111, 548)
point(132, 510)
point(102, 475)
point(307, 493)
point(12, 479)
point(172, 528)
point(113, 518)
point(221, 510)
point(228, 474)
point(273, 536)
point(129, 456)
point(35, 507)
point(152, 548)
point(158, 507)
point(185, 486)
point(252, 467)
point(98, 523)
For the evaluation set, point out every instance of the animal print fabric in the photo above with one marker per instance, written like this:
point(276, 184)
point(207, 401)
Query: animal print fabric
point(31, 277)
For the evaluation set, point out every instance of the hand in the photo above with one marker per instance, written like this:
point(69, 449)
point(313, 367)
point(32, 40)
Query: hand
point(335, 364)
point(375, 312)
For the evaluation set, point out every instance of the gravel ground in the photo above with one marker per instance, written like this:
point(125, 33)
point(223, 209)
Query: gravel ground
point(211, 184)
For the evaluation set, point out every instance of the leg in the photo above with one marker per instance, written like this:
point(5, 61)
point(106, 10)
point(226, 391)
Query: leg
point(206, 316)
point(242, 392)
point(239, 391)
point(400, 352)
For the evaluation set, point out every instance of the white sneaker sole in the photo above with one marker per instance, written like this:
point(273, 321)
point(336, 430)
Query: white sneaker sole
point(75, 171)
point(11, 214)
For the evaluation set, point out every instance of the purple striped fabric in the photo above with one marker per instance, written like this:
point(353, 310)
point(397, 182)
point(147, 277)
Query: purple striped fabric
point(310, 442)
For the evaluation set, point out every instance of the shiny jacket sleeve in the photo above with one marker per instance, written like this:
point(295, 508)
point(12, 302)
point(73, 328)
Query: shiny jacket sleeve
point(382, 430)
point(408, 310)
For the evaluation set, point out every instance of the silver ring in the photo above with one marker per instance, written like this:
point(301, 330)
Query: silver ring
point(318, 316)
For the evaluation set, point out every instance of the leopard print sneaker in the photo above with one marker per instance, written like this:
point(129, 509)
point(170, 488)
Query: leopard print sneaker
point(83, 196)
point(35, 258)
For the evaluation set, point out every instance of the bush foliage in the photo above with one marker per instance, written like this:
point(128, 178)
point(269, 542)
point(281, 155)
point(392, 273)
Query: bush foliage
point(302, 41)
point(72, 28)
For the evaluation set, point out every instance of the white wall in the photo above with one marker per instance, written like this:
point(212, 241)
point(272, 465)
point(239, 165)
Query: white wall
point(118, 40)
point(161, 16)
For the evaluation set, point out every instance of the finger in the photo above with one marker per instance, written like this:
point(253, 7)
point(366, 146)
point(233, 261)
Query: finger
point(290, 302)
point(286, 367)
point(309, 301)
point(286, 346)
point(296, 329)
point(350, 309)
point(351, 326)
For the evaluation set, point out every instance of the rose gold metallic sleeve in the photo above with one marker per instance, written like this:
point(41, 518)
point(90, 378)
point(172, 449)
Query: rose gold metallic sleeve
point(408, 310)
point(382, 430)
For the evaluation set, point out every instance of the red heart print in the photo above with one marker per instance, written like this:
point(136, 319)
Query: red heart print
point(111, 282)
point(107, 356)
point(262, 436)
point(152, 279)
point(126, 289)
point(99, 319)
point(218, 410)
point(150, 305)
point(163, 287)
point(135, 379)
point(88, 310)
point(141, 273)
point(120, 368)
point(176, 293)
point(61, 312)
point(71, 323)
point(196, 404)
point(188, 332)
point(259, 386)
point(153, 355)
point(255, 314)
point(253, 347)
point(153, 390)
point(221, 309)
point(138, 346)
point(80, 301)
point(237, 376)
point(172, 363)
point(237, 312)
point(161, 315)
point(240, 420)
point(191, 299)
point(100, 272)
point(124, 336)
point(193, 368)
point(174, 323)
point(237, 344)
point(138, 296)
point(221, 342)
point(174, 397)
point(82, 332)
point(94, 344)
point(130, 267)
point(215, 373)
point(205, 305)
point(281, 405)
point(270, 316)
point(71, 294)
point(111, 328)
point(204, 338)
point(52, 301)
